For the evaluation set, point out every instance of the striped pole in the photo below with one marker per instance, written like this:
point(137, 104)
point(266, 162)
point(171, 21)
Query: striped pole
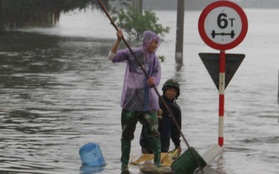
point(222, 67)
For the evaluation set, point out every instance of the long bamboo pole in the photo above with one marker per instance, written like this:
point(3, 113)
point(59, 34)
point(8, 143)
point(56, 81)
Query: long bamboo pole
point(147, 76)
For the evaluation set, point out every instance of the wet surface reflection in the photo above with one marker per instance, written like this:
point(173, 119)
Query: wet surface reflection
point(58, 92)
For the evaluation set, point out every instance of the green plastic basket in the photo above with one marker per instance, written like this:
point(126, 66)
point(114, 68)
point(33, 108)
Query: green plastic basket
point(188, 162)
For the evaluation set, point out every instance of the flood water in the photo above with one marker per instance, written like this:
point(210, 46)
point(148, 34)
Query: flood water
point(58, 91)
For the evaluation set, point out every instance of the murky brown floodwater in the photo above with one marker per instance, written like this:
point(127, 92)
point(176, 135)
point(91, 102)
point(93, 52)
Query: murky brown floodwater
point(58, 92)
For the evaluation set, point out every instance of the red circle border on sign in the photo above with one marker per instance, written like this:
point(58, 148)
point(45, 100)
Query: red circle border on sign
point(234, 43)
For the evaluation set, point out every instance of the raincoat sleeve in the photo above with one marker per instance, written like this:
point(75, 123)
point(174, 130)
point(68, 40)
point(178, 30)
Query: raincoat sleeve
point(120, 56)
point(111, 55)
point(156, 72)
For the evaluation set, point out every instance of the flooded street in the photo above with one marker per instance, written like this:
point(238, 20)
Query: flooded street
point(58, 92)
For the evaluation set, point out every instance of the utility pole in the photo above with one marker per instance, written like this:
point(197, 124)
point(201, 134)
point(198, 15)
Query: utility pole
point(138, 4)
point(1, 17)
point(179, 32)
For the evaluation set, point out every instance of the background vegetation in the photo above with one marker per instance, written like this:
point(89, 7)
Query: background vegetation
point(135, 23)
point(39, 13)
point(21, 13)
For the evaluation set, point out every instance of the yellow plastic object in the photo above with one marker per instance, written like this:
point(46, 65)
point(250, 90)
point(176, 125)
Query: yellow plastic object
point(166, 159)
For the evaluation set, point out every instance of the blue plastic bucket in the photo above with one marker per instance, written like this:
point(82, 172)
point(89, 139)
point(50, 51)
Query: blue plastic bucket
point(91, 155)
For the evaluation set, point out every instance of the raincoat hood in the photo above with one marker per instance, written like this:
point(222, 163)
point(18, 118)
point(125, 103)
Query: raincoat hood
point(148, 38)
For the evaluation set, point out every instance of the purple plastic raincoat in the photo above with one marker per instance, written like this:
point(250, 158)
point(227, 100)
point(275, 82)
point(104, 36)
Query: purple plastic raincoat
point(136, 94)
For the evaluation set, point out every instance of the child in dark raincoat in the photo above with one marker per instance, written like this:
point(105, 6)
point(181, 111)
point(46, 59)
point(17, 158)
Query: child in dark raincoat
point(168, 130)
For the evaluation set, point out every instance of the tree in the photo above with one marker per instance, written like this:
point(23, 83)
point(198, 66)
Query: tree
point(17, 14)
point(135, 23)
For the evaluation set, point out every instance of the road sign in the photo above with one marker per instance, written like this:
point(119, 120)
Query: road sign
point(223, 25)
point(211, 62)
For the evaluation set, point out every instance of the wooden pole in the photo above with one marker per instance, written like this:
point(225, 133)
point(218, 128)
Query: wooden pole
point(138, 4)
point(1, 16)
point(160, 97)
point(179, 32)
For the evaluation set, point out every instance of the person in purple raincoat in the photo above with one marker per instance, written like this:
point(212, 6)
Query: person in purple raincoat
point(139, 100)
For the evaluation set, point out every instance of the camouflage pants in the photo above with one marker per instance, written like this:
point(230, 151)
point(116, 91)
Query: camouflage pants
point(129, 121)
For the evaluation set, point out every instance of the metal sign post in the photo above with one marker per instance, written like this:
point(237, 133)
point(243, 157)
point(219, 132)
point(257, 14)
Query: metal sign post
point(222, 26)
point(221, 97)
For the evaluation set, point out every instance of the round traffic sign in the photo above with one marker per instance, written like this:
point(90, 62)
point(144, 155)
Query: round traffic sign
point(223, 25)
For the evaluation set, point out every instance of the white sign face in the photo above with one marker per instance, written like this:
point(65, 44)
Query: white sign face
point(223, 25)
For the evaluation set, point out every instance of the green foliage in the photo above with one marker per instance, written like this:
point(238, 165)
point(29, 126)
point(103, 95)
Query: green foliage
point(135, 23)
point(162, 58)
